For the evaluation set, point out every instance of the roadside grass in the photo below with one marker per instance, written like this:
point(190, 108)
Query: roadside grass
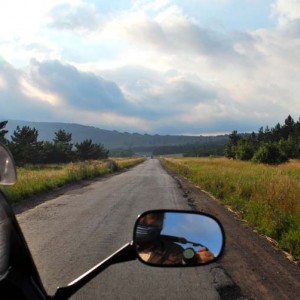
point(267, 197)
point(124, 163)
point(38, 179)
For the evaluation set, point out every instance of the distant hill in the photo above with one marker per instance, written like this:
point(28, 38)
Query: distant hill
point(112, 139)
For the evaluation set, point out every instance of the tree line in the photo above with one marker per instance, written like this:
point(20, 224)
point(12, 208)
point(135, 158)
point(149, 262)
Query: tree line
point(27, 149)
point(192, 150)
point(269, 145)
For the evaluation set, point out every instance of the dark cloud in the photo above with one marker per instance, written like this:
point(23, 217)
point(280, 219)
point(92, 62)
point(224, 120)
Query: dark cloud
point(79, 89)
point(161, 94)
point(14, 103)
point(176, 97)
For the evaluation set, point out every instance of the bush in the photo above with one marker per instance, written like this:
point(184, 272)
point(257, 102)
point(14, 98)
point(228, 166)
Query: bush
point(243, 150)
point(269, 154)
point(112, 165)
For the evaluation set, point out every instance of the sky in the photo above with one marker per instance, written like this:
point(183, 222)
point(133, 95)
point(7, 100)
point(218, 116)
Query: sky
point(194, 228)
point(159, 67)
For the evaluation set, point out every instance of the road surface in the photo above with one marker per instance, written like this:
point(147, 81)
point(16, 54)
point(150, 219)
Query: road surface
point(70, 233)
point(74, 231)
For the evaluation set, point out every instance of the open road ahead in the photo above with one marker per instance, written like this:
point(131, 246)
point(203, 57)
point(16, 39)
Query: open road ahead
point(73, 232)
point(70, 233)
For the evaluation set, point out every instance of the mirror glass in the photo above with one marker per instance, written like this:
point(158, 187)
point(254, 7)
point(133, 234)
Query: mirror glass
point(8, 175)
point(178, 238)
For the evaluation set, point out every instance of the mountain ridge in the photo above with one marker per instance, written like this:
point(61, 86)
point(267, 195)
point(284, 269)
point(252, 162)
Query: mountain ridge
point(111, 139)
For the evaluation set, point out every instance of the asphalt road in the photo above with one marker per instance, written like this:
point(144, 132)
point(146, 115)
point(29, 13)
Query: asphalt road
point(71, 233)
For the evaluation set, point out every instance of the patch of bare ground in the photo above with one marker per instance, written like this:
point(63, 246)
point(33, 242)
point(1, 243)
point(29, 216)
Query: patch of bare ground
point(258, 269)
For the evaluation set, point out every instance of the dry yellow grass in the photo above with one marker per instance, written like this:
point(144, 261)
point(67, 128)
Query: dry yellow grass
point(37, 179)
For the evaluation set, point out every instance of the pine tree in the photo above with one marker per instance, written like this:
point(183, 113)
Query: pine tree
point(25, 146)
point(3, 132)
point(63, 146)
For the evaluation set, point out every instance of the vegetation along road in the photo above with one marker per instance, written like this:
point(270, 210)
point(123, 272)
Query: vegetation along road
point(71, 232)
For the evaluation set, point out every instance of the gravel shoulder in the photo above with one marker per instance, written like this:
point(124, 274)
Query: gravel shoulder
point(256, 266)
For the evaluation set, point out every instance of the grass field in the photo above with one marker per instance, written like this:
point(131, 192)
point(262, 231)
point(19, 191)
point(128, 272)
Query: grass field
point(38, 179)
point(267, 197)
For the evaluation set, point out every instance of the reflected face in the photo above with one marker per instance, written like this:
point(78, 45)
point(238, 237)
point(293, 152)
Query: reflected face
point(148, 219)
point(149, 228)
point(152, 219)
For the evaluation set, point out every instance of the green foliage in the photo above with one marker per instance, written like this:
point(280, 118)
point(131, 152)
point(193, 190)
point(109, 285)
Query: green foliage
point(243, 150)
point(270, 146)
point(3, 132)
point(62, 151)
point(25, 146)
point(269, 154)
point(234, 138)
point(87, 150)
point(38, 179)
point(210, 147)
point(290, 146)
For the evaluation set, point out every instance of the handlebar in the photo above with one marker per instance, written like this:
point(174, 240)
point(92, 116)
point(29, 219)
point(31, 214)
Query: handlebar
point(181, 240)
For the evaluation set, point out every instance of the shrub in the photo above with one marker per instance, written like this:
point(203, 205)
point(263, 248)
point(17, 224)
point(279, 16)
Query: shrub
point(243, 151)
point(112, 165)
point(269, 153)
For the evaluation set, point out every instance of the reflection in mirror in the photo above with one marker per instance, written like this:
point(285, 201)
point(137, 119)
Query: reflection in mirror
point(8, 175)
point(176, 238)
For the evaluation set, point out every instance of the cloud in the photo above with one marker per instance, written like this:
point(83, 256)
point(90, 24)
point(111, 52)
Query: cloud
point(155, 95)
point(171, 32)
point(79, 89)
point(286, 10)
point(77, 16)
point(52, 91)
point(153, 66)
point(15, 102)
point(234, 78)
point(171, 38)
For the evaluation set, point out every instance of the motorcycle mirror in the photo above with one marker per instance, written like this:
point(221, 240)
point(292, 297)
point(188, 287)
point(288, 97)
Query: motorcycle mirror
point(178, 238)
point(8, 174)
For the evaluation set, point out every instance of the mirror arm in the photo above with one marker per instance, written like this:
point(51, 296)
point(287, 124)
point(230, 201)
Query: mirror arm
point(125, 253)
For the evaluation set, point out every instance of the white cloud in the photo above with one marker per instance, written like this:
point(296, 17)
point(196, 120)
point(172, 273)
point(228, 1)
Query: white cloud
point(80, 16)
point(2, 82)
point(287, 10)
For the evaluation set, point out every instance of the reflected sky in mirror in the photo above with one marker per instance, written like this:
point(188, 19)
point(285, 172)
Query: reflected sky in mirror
point(195, 228)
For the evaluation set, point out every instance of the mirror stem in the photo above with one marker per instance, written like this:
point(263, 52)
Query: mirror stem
point(125, 253)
